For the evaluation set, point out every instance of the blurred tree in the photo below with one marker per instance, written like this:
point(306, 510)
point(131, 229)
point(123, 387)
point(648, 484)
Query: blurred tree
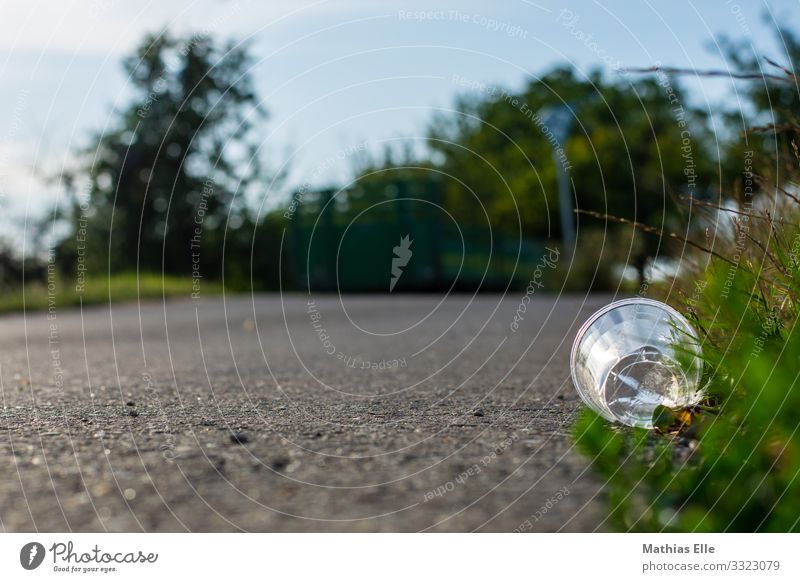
point(764, 119)
point(634, 144)
point(170, 179)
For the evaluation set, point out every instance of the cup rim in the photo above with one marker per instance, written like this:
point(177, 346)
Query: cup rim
point(601, 312)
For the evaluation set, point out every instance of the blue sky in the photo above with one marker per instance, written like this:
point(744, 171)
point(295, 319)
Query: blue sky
point(337, 76)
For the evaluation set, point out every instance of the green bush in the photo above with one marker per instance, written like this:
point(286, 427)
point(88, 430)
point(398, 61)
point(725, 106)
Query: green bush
point(732, 464)
point(599, 261)
point(737, 466)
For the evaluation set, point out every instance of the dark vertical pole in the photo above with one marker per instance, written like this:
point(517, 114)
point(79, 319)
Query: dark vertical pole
point(331, 244)
point(437, 252)
point(564, 203)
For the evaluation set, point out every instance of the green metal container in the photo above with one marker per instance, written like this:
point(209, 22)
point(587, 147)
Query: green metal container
point(335, 248)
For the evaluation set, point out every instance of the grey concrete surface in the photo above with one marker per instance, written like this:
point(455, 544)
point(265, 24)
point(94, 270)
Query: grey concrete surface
point(366, 413)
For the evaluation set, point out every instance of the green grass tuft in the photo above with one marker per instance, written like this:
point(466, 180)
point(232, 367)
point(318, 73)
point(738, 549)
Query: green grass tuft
point(124, 288)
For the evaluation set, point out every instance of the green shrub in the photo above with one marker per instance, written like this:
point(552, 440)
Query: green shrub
point(599, 261)
point(732, 464)
point(736, 467)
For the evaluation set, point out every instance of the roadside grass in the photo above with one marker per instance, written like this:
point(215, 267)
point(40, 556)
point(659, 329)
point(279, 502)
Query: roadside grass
point(732, 464)
point(123, 288)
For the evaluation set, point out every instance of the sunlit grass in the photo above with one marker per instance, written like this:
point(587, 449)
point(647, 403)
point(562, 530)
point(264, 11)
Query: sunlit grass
point(124, 288)
point(734, 463)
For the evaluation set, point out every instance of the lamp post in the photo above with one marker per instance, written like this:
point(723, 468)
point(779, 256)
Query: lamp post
point(558, 120)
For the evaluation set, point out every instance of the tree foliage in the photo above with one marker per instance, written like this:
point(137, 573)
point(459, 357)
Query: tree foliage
point(171, 180)
point(731, 465)
point(633, 145)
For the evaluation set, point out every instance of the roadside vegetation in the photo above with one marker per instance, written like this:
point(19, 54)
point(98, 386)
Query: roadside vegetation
point(177, 183)
point(732, 463)
point(39, 296)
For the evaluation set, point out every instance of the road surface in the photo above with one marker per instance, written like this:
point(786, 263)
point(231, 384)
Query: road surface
point(295, 413)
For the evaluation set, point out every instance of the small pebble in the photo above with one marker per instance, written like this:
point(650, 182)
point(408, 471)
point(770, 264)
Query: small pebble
point(239, 438)
point(280, 464)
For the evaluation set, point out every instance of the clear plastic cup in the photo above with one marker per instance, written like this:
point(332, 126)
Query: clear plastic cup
point(634, 355)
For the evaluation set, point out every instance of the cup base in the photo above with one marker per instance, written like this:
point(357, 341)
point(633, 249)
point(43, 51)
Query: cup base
point(642, 381)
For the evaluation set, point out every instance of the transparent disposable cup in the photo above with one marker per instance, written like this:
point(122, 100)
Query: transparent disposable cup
point(635, 355)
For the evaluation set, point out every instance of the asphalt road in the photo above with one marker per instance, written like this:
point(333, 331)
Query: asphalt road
point(370, 413)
